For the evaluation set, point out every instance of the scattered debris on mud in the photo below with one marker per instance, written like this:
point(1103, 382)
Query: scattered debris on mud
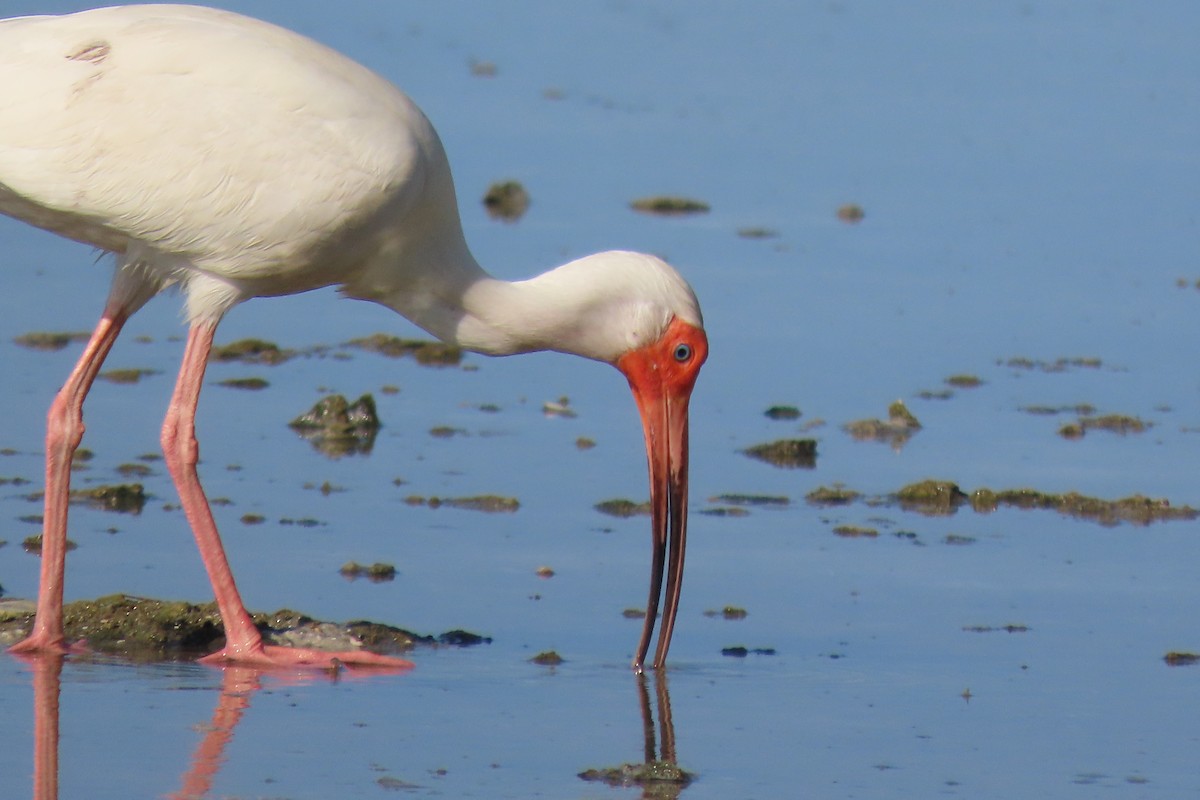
point(786, 453)
point(427, 352)
point(668, 206)
point(144, 629)
point(337, 428)
point(899, 427)
point(506, 201)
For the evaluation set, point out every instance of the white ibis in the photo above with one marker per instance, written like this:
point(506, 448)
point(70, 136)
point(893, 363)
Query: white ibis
point(233, 159)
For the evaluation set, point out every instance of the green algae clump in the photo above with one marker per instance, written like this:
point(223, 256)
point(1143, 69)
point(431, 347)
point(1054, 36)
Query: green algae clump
point(335, 427)
point(668, 776)
point(622, 508)
point(786, 453)
point(835, 495)
point(932, 497)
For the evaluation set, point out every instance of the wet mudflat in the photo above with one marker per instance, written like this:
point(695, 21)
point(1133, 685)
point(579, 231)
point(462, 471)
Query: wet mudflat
point(984, 213)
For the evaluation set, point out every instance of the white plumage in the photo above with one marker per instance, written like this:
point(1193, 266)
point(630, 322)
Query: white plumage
point(237, 159)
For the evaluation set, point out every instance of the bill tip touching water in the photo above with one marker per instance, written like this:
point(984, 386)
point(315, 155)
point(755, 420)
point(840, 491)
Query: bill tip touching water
point(277, 167)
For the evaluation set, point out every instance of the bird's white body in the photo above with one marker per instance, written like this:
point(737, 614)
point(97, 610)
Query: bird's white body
point(242, 160)
point(235, 159)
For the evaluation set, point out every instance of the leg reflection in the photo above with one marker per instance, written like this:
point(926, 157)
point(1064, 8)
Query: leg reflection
point(237, 685)
point(47, 687)
point(660, 776)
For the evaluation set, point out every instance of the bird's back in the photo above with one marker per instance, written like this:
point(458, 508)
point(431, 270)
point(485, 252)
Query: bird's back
point(241, 148)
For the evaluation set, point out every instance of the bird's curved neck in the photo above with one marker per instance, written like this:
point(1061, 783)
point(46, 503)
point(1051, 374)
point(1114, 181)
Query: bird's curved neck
point(459, 302)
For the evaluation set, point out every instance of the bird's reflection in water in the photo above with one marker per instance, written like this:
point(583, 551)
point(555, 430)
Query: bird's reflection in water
point(238, 684)
point(659, 776)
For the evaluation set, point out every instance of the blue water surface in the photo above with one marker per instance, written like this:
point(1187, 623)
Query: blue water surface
point(1028, 175)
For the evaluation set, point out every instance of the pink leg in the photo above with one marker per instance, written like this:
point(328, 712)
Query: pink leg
point(243, 643)
point(64, 431)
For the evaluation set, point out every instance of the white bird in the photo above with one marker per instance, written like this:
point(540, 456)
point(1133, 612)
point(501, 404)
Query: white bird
point(235, 159)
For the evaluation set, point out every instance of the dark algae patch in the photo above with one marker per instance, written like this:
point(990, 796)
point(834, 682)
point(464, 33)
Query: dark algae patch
point(777, 501)
point(252, 351)
point(126, 376)
point(1115, 423)
point(669, 206)
point(940, 498)
point(491, 503)
point(836, 495)
point(964, 381)
point(668, 777)
point(786, 453)
point(376, 573)
point(126, 498)
point(855, 532)
point(1057, 365)
point(248, 384)
point(851, 213)
point(33, 544)
point(622, 508)
point(741, 651)
point(336, 427)
point(728, 612)
point(49, 340)
point(547, 658)
point(425, 351)
point(506, 201)
point(1136, 509)
point(782, 412)
point(1176, 658)
point(897, 429)
point(931, 497)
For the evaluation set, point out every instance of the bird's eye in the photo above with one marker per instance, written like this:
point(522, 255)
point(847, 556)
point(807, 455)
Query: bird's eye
point(683, 352)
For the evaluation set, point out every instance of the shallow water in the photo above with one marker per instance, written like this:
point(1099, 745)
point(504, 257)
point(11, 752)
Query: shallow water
point(1028, 175)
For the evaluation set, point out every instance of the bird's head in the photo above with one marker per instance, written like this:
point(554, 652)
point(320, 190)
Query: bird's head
point(653, 333)
point(661, 375)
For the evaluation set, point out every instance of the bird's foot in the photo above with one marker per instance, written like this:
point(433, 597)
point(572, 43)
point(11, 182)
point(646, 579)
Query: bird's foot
point(40, 642)
point(276, 657)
